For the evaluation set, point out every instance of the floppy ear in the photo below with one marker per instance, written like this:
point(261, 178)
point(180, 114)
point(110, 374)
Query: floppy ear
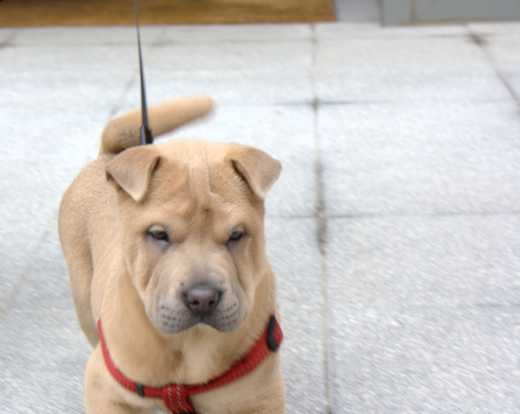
point(255, 167)
point(131, 170)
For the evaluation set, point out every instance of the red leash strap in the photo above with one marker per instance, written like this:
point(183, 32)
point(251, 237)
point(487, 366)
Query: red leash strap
point(177, 397)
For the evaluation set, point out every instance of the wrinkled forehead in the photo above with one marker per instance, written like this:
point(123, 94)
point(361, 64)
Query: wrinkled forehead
point(198, 178)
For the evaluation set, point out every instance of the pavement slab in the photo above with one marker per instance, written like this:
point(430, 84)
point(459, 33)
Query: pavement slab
point(51, 132)
point(50, 36)
point(294, 194)
point(422, 181)
point(371, 30)
point(398, 69)
point(7, 34)
point(232, 87)
point(301, 266)
point(277, 129)
point(40, 184)
point(46, 285)
point(503, 50)
point(230, 72)
point(301, 310)
point(427, 159)
point(22, 245)
point(187, 34)
point(302, 365)
point(434, 360)
point(44, 355)
point(412, 261)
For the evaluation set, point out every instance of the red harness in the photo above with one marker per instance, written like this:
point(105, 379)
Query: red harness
point(177, 397)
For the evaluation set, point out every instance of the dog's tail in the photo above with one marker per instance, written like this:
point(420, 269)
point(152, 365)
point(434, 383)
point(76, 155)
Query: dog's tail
point(123, 132)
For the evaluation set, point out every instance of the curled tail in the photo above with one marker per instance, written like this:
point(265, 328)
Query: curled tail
point(123, 132)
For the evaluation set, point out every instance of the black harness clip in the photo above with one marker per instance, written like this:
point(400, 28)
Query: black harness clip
point(271, 343)
point(139, 389)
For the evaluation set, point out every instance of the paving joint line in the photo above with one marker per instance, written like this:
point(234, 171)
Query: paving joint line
point(9, 39)
point(441, 307)
point(367, 216)
point(119, 101)
point(321, 233)
point(292, 216)
point(232, 41)
point(4, 309)
point(481, 42)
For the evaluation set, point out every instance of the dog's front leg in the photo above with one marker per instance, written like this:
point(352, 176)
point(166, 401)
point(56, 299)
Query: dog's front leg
point(104, 395)
point(259, 392)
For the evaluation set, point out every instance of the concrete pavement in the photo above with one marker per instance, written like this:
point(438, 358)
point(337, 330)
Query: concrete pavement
point(394, 228)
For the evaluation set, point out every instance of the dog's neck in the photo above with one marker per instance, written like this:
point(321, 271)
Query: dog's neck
point(196, 355)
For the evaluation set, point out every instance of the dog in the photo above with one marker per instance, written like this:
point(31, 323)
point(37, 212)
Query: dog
point(165, 249)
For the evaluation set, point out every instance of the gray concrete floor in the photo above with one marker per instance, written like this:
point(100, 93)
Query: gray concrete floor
point(394, 228)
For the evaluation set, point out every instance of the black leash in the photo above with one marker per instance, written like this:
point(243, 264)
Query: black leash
point(146, 134)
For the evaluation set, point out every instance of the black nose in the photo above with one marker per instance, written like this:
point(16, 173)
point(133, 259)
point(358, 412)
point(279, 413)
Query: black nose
point(202, 300)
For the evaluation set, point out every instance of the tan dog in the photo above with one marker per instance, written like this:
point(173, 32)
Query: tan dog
point(166, 244)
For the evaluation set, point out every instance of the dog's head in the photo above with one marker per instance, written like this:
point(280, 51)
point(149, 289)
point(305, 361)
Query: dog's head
point(190, 223)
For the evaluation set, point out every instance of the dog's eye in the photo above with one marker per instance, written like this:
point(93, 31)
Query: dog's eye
point(158, 234)
point(236, 235)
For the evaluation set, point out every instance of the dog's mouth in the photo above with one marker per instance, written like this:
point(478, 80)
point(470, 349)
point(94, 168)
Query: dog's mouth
point(223, 316)
point(225, 324)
